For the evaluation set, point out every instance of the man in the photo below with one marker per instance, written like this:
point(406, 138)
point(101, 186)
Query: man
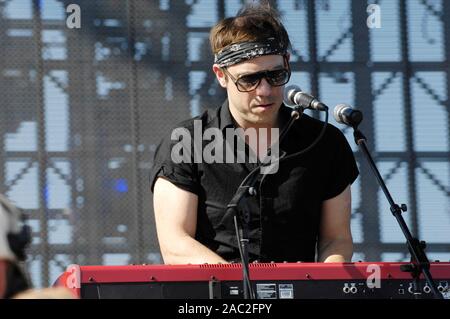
point(13, 240)
point(302, 211)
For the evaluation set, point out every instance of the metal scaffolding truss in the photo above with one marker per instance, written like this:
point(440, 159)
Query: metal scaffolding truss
point(84, 109)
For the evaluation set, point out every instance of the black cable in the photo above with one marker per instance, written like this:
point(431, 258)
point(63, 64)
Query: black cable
point(252, 176)
point(307, 149)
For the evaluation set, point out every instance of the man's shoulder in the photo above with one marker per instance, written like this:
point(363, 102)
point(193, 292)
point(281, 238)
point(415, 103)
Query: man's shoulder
point(170, 133)
point(205, 119)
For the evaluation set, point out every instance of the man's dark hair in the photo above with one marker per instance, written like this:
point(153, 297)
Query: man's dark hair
point(254, 22)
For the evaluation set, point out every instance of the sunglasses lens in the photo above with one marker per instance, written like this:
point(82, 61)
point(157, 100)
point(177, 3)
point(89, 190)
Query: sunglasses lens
point(278, 77)
point(249, 82)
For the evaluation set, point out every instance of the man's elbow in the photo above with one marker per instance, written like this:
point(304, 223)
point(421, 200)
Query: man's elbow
point(174, 250)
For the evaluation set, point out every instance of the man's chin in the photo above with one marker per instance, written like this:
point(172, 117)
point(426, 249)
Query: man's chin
point(262, 119)
point(265, 112)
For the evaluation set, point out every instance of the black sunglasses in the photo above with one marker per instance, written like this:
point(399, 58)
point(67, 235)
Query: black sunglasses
point(250, 82)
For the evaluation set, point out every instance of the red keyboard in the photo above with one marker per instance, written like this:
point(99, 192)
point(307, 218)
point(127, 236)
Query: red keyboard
point(270, 281)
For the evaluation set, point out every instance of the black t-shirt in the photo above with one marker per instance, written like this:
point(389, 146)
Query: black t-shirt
point(285, 213)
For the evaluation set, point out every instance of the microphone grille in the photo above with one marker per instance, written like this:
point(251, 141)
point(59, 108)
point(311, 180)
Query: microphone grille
point(338, 111)
point(289, 93)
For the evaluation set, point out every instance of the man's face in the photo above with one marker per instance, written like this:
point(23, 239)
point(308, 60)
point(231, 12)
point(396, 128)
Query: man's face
point(257, 108)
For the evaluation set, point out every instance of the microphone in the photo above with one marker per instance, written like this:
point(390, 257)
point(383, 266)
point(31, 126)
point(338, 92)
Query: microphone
point(293, 95)
point(345, 114)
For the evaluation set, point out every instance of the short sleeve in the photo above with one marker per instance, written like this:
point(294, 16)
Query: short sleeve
point(343, 169)
point(182, 175)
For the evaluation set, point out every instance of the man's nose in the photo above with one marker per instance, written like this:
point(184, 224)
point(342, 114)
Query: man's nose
point(264, 88)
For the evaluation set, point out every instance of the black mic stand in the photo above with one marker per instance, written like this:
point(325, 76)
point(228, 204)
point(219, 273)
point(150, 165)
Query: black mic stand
point(419, 261)
point(242, 219)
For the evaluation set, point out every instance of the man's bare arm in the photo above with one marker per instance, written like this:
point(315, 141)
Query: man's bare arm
point(176, 223)
point(335, 240)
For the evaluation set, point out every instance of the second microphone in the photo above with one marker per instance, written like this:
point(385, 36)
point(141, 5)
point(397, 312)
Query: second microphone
point(293, 95)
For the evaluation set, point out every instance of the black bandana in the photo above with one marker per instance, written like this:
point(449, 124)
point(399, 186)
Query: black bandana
point(239, 52)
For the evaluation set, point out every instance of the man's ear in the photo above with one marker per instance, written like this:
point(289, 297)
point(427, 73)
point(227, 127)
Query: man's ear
point(220, 75)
